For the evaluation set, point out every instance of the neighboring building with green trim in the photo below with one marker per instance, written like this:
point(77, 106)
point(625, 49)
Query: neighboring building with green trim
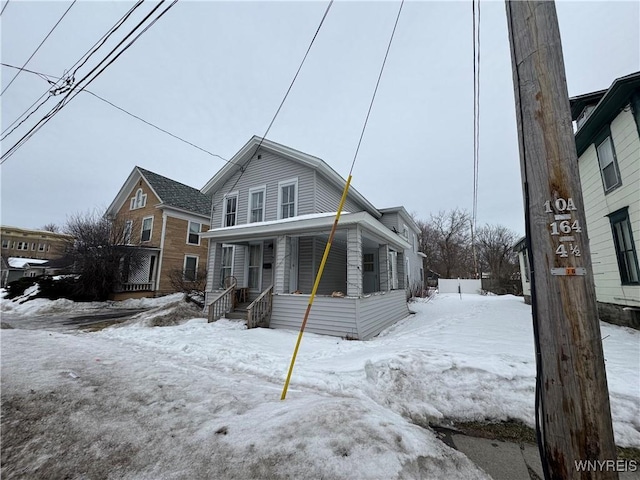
point(608, 147)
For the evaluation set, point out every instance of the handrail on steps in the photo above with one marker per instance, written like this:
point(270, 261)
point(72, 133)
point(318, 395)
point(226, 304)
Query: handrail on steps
point(259, 311)
point(221, 305)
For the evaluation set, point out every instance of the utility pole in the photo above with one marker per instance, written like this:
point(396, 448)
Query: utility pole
point(574, 413)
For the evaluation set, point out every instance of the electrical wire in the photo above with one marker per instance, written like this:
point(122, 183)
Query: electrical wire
point(5, 6)
point(77, 89)
point(244, 167)
point(475, 6)
point(46, 77)
point(366, 120)
point(39, 46)
point(67, 79)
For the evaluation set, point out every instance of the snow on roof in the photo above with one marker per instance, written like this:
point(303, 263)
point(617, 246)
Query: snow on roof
point(18, 262)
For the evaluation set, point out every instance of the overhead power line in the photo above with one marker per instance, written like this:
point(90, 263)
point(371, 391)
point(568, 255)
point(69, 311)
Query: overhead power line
point(5, 6)
point(243, 167)
point(48, 77)
point(366, 120)
point(38, 48)
point(66, 80)
point(78, 87)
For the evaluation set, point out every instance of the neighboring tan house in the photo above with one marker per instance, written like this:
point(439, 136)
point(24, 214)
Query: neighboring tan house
point(163, 219)
point(273, 209)
point(608, 148)
point(36, 244)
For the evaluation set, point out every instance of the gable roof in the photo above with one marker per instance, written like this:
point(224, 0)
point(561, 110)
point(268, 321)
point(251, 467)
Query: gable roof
point(609, 104)
point(240, 160)
point(171, 194)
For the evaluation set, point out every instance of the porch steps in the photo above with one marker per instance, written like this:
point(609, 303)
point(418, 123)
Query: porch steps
point(239, 312)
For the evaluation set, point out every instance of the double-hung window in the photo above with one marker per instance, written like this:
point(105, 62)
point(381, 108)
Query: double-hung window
point(147, 225)
point(257, 204)
point(126, 234)
point(230, 214)
point(193, 237)
point(607, 162)
point(190, 270)
point(288, 198)
point(625, 248)
point(226, 270)
point(254, 266)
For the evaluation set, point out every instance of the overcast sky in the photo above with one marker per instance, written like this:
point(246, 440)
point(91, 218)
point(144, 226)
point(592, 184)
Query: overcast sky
point(214, 74)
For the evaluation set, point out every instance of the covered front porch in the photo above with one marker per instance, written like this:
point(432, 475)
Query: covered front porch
point(138, 274)
point(362, 289)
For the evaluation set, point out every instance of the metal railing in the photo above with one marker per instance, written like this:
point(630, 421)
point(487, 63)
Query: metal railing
point(259, 312)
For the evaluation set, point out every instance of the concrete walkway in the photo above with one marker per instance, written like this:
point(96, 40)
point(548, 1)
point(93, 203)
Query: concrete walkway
point(504, 460)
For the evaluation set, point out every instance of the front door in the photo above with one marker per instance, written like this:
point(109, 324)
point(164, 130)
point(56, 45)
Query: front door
point(370, 272)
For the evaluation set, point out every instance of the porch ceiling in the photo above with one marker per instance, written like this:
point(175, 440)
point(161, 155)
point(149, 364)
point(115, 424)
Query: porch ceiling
point(307, 225)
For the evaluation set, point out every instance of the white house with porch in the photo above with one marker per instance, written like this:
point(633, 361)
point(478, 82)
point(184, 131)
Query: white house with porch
point(273, 209)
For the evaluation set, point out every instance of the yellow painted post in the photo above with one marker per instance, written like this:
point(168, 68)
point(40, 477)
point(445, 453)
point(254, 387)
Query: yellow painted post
point(315, 287)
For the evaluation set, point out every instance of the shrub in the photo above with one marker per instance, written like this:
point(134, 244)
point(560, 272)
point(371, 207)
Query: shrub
point(18, 287)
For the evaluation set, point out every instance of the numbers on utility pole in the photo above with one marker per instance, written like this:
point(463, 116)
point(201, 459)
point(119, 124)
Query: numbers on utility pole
point(564, 230)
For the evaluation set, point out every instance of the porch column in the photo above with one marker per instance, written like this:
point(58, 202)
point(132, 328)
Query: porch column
point(213, 267)
point(383, 268)
point(354, 262)
point(281, 267)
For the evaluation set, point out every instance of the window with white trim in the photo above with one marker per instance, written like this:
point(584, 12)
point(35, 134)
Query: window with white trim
point(625, 247)
point(193, 237)
point(41, 247)
point(147, 226)
point(288, 199)
point(226, 269)
point(190, 270)
point(257, 204)
point(5, 243)
point(139, 200)
point(23, 245)
point(126, 234)
point(255, 266)
point(230, 214)
point(608, 162)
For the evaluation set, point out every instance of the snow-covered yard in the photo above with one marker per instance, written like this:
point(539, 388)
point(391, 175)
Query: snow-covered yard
point(202, 400)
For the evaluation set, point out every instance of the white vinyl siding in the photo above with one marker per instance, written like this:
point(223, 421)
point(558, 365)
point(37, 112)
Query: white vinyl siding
point(609, 288)
point(269, 170)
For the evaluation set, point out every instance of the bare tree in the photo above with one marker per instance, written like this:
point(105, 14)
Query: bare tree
point(51, 227)
point(495, 252)
point(100, 253)
point(452, 235)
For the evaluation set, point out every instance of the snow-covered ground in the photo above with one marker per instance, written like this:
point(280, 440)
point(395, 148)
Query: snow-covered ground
point(202, 400)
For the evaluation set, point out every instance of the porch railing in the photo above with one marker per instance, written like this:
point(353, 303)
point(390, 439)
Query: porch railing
point(259, 312)
point(134, 287)
point(222, 305)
